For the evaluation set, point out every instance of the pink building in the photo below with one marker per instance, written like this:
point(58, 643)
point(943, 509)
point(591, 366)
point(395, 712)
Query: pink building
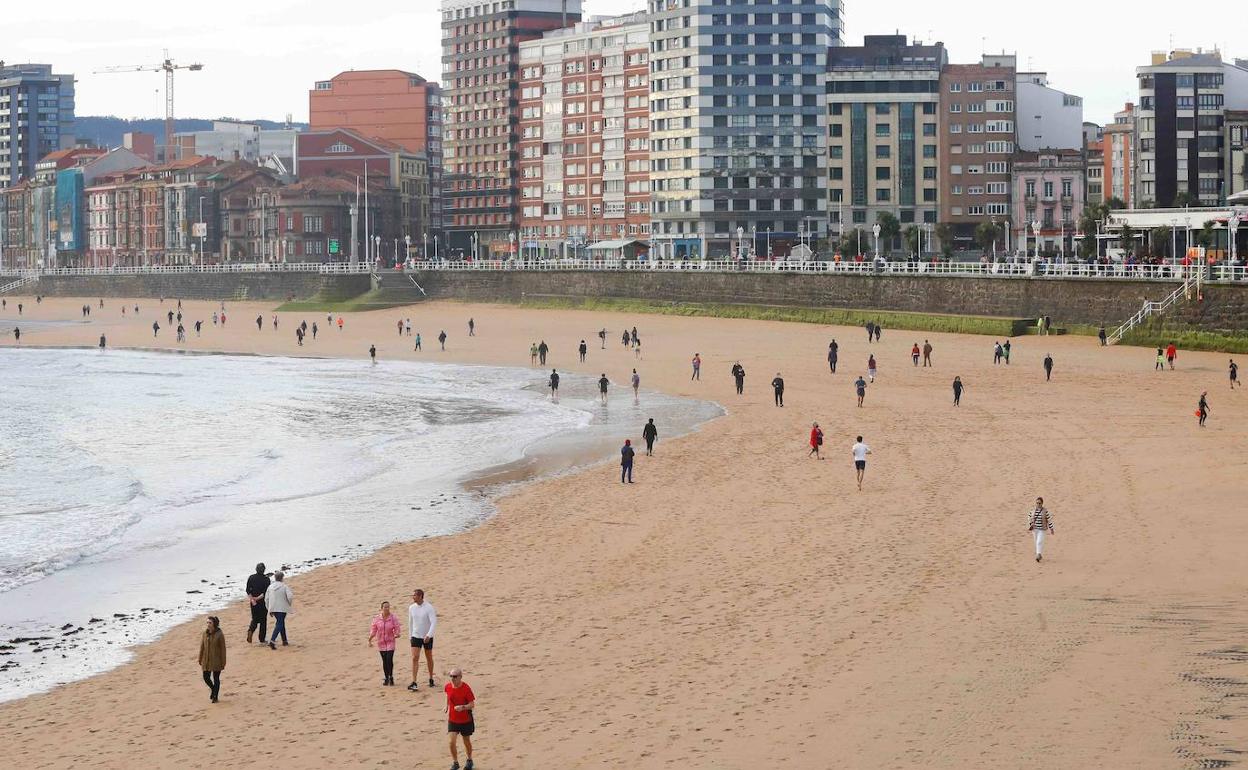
point(1048, 192)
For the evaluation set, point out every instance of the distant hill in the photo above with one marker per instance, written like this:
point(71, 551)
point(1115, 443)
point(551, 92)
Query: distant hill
point(107, 130)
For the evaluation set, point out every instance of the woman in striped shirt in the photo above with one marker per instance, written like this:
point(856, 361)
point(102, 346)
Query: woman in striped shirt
point(1039, 520)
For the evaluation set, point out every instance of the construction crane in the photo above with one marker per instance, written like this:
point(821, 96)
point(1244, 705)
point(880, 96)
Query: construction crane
point(167, 67)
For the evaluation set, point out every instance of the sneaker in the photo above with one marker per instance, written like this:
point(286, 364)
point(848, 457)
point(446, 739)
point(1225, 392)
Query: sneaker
point(431, 684)
point(455, 766)
point(1037, 557)
point(272, 646)
point(468, 765)
point(413, 687)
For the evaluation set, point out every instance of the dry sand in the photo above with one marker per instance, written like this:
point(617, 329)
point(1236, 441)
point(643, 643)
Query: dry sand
point(742, 605)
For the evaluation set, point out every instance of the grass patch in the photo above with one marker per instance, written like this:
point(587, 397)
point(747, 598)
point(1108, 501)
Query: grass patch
point(888, 319)
point(368, 301)
point(1160, 334)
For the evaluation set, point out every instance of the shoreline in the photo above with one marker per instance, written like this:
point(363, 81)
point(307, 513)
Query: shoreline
point(741, 604)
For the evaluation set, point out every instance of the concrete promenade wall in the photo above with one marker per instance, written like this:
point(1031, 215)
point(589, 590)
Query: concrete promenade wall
point(205, 286)
point(1067, 301)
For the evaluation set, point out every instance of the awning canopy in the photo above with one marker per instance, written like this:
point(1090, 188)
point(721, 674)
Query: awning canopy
point(616, 245)
point(1239, 198)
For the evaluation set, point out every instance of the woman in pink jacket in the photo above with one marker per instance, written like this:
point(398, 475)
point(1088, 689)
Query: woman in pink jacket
point(385, 630)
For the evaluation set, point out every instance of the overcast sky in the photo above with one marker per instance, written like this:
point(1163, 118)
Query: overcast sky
point(261, 56)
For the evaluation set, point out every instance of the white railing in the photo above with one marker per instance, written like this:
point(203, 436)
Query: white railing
point(19, 283)
point(1190, 288)
point(1220, 273)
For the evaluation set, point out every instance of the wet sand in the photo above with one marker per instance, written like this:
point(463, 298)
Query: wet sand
point(742, 605)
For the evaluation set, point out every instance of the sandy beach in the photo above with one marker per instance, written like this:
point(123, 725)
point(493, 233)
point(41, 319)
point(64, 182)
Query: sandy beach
point(742, 605)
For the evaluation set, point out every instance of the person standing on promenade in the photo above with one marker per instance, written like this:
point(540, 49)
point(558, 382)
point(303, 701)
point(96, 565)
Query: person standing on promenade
point(697, 367)
point(871, 367)
point(1171, 353)
point(927, 353)
point(777, 385)
point(212, 655)
point(581, 350)
point(1048, 366)
point(1160, 363)
point(280, 600)
point(472, 328)
point(602, 337)
point(636, 383)
point(626, 461)
point(1202, 408)
point(650, 433)
point(1234, 373)
point(738, 375)
point(460, 703)
point(860, 385)
point(422, 621)
point(542, 350)
point(1100, 335)
point(1005, 350)
point(257, 587)
point(442, 339)
point(957, 391)
point(554, 385)
point(1039, 520)
point(372, 353)
point(816, 440)
point(385, 629)
point(914, 354)
point(832, 352)
point(603, 382)
point(996, 353)
point(860, 452)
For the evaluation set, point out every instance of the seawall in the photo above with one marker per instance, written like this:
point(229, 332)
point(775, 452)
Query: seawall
point(205, 286)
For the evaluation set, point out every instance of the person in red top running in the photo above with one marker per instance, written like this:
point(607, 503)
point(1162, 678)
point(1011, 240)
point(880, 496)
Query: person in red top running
point(1171, 353)
point(459, 705)
point(914, 354)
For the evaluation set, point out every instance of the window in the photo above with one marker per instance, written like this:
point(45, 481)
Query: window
point(955, 88)
point(975, 87)
point(955, 107)
point(313, 224)
point(955, 128)
point(882, 196)
point(883, 151)
point(929, 151)
point(929, 129)
point(1066, 188)
point(836, 151)
point(1048, 189)
point(883, 129)
point(883, 172)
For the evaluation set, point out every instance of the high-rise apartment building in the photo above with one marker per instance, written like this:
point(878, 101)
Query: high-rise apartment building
point(584, 136)
point(883, 130)
point(1236, 149)
point(1184, 96)
point(1118, 157)
point(978, 117)
point(36, 118)
point(392, 105)
point(480, 77)
point(738, 126)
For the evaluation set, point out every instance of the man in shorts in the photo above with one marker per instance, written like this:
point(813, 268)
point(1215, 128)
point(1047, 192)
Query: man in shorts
point(861, 451)
point(422, 619)
point(459, 722)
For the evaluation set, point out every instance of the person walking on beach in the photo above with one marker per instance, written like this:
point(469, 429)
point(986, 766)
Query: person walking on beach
point(738, 375)
point(542, 350)
point(603, 382)
point(260, 323)
point(275, 322)
point(871, 367)
point(385, 629)
point(582, 349)
point(1159, 363)
point(914, 354)
point(650, 433)
point(103, 342)
point(832, 351)
point(17, 334)
point(636, 338)
point(442, 339)
point(1234, 374)
point(1005, 351)
point(314, 330)
point(1039, 520)
point(198, 326)
point(280, 600)
point(1100, 335)
point(1171, 353)
point(860, 385)
point(214, 316)
point(155, 328)
point(372, 353)
point(170, 316)
point(422, 621)
point(637, 349)
point(407, 326)
point(1202, 408)
point(460, 703)
point(212, 655)
point(957, 391)
point(777, 385)
point(870, 331)
point(400, 327)
point(878, 329)
point(533, 354)
point(927, 353)
point(996, 353)
point(181, 333)
point(625, 339)
point(554, 385)
point(339, 323)
point(417, 341)
point(1048, 366)
point(635, 380)
point(816, 440)
point(602, 337)
point(626, 461)
point(299, 336)
point(472, 328)
point(257, 587)
point(860, 451)
point(697, 367)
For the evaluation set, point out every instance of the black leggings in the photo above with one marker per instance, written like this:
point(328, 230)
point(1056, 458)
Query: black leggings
point(387, 663)
point(213, 680)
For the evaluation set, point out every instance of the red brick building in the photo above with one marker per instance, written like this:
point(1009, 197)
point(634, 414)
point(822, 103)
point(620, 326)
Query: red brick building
point(584, 159)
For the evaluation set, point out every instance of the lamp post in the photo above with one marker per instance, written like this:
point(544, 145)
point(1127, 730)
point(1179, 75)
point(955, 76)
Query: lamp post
point(1233, 225)
point(1006, 225)
point(1174, 239)
point(424, 246)
point(407, 248)
point(994, 239)
point(875, 230)
point(1035, 228)
point(376, 248)
point(768, 243)
point(1187, 234)
point(435, 247)
point(203, 229)
point(741, 242)
point(511, 239)
point(753, 241)
point(476, 239)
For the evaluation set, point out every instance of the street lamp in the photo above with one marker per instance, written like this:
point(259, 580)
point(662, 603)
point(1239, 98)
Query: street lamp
point(476, 239)
point(511, 239)
point(203, 229)
point(768, 243)
point(424, 247)
point(1005, 223)
point(741, 243)
point(377, 247)
point(875, 230)
point(994, 239)
point(435, 247)
point(407, 248)
point(1035, 228)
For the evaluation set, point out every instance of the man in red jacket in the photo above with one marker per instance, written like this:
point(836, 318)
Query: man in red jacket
point(1171, 352)
point(459, 705)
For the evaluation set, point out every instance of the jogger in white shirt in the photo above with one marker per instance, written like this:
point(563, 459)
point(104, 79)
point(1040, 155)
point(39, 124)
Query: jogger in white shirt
point(861, 451)
point(422, 619)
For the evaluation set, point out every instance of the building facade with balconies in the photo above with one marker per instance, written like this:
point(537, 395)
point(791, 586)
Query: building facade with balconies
point(1048, 197)
point(36, 118)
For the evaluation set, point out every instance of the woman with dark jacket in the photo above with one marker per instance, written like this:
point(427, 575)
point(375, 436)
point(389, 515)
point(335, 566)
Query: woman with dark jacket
point(212, 655)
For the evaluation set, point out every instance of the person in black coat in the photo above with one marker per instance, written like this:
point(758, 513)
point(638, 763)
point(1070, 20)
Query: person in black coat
point(626, 462)
point(257, 584)
point(651, 434)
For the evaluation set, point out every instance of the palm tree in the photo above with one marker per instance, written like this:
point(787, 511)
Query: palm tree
point(912, 239)
point(944, 233)
point(986, 234)
point(1161, 238)
point(1207, 237)
point(890, 228)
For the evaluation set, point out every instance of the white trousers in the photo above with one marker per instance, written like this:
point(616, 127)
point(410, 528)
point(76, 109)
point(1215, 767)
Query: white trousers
point(1039, 541)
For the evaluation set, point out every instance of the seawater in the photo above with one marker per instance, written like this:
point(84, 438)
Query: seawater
point(137, 489)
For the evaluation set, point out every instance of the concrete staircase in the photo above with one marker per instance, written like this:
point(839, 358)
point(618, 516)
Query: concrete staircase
point(14, 286)
point(1191, 287)
point(394, 289)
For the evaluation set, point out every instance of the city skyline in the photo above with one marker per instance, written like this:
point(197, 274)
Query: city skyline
point(239, 41)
